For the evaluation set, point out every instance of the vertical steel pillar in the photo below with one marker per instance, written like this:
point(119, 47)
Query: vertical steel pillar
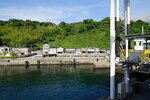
point(142, 30)
point(112, 49)
point(128, 23)
point(127, 31)
point(126, 27)
point(146, 43)
point(117, 29)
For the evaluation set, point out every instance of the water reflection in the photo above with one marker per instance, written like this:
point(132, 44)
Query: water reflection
point(54, 82)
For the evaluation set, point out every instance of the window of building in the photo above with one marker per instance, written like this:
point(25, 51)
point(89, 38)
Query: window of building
point(134, 43)
point(140, 43)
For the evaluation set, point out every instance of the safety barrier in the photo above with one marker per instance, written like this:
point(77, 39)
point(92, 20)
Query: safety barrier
point(145, 54)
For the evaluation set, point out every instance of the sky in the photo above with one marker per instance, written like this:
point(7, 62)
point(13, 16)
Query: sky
point(68, 10)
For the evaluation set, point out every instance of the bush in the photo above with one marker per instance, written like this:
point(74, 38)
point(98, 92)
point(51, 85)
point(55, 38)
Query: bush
point(12, 53)
point(4, 53)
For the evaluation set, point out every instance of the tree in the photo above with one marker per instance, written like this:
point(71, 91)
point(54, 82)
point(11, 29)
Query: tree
point(12, 53)
point(4, 53)
point(20, 33)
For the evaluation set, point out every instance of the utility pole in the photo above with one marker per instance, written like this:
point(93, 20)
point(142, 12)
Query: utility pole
point(112, 49)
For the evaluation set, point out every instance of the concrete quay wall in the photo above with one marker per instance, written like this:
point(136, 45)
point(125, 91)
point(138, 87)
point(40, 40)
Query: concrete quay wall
point(99, 62)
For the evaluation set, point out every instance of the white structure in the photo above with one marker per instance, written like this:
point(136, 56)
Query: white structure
point(60, 50)
point(52, 51)
point(140, 43)
point(5, 49)
point(112, 49)
point(70, 50)
point(46, 47)
point(91, 50)
point(45, 50)
point(22, 51)
point(78, 50)
point(97, 50)
point(84, 50)
point(113, 43)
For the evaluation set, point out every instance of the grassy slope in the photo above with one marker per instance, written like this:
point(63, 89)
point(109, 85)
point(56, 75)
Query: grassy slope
point(94, 38)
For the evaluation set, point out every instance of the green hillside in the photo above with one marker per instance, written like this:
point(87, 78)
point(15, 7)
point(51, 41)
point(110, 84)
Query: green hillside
point(88, 33)
point(95, 38)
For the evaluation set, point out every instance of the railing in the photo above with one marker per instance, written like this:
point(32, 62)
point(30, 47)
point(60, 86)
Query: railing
point(145, 55)
point(123, 53)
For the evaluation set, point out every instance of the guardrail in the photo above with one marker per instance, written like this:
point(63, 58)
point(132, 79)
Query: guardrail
point(144, 57)
point(123, 53)
point(147, 53)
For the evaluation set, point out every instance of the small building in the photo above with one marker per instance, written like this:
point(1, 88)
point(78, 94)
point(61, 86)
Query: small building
point(97, 50)
point(104, 51)
point(140, 44)
point(70, 50)
point(78, 50)
point(52, 52)
point(90, 50)
point(46, 47)
point(84, 50)
point(60, 50)
point(5, 49)
point(22, 51)
point(45, 50)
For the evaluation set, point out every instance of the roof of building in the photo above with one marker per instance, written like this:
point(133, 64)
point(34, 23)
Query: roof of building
point(4, 47)
point(132, 36)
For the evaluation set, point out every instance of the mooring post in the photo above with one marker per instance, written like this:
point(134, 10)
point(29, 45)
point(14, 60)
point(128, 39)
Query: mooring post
point(38, 62)
point(112, 49)
point(74, 61)
point(26, 64)
point(60, 62)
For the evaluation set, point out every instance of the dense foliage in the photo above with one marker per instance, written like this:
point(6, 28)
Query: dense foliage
point(88, 33)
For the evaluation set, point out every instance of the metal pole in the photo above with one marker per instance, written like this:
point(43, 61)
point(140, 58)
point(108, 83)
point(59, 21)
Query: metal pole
point(112, 50)
point(125, 27)
point(146, 44)
point(117, 7)
point(127, 31)
point(117, 30)
point(127, 72)
point(142, 30)
point(128, 23)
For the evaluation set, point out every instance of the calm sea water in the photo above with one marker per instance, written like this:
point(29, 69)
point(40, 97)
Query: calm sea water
point(54, 82)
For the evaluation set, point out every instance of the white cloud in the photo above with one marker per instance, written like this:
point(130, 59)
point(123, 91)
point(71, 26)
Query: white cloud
point(139, 11)
point(39, 13)
point(46, 14)
point(142, 16)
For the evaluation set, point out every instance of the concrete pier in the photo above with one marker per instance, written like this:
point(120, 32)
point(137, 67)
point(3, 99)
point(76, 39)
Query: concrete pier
point(99, 62)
